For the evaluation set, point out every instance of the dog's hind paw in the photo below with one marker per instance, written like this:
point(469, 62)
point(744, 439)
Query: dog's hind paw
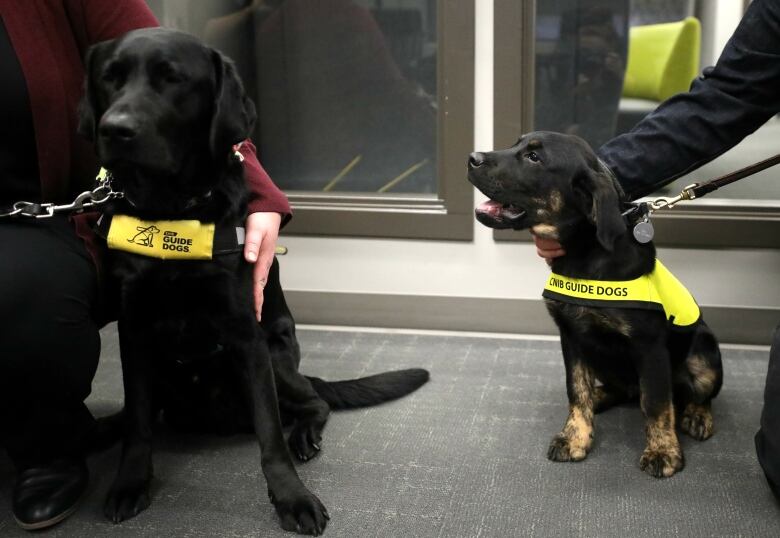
point(562, 449)
point(697, 422)
point(305, 440)
point(126, 502)
point(304, 513)
point(661, 464)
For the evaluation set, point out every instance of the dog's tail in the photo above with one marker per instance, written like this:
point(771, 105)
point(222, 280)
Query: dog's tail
point(371, 390)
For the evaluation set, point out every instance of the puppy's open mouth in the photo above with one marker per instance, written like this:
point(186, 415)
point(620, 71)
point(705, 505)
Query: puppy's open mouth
point(497, 215)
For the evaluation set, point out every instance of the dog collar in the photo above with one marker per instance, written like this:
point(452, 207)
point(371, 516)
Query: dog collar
point(657, 290)
point(170, 239)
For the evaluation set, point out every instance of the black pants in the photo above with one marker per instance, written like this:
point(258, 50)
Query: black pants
point(49, 342)
point(768, 437)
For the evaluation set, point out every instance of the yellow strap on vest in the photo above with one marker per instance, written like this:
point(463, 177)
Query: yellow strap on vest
point(164, 239)
point(658, 289)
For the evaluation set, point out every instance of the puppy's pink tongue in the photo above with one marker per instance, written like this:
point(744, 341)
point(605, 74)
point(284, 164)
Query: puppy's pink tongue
point(490, 207)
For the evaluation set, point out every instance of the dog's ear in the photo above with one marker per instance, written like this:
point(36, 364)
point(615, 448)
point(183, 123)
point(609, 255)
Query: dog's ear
point(89, 110)
point(234, 113)
point(598, 195)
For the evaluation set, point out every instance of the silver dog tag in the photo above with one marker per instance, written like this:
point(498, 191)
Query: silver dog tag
point(643, 231)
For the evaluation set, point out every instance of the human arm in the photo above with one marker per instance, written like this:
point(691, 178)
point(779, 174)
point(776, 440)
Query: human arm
point(269, 210)
point(724, 105)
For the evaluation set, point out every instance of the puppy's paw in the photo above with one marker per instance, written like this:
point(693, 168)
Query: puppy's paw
point(563, 449)
point(126, 501)
point(305, 440)
point(302, 513)
point(697, 422)
point(661, 463)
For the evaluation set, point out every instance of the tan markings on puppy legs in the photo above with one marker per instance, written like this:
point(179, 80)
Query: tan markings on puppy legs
point(545, 231)
point(697, 421)
point(704, 376)
point(662, 456)
point(576, 437)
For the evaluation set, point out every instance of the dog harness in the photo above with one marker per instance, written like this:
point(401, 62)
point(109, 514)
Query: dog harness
point(657, 290)
point(170, 239)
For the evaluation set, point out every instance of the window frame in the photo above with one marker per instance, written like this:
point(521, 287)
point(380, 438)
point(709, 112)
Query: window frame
point(448, 214)
point(707, 223)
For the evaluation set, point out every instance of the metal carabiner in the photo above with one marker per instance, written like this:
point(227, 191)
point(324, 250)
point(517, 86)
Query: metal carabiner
point(664, 202)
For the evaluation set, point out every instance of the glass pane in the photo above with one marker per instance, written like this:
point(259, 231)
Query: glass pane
point(345, 89)
point(581, 51)
point(581, 61)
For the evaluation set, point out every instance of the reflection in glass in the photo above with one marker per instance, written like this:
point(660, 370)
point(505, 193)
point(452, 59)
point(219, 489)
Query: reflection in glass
point(345, 90)
point(581, 57)
point(581, 51)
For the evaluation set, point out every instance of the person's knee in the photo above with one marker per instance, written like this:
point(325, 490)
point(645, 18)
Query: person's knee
point(54, 337)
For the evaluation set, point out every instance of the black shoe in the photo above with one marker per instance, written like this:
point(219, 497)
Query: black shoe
point(43, 496)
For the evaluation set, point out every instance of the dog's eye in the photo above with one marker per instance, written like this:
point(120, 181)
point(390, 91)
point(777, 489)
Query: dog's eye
point(532, 156)
point(110, 74)
point(167, 73)
point(172, 77)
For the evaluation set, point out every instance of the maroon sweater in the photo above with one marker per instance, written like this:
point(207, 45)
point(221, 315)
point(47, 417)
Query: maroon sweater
point(50, 38)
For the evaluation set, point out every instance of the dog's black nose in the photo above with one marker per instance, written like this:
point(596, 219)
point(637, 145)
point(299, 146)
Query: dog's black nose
point(118, 126)
point(476, 160)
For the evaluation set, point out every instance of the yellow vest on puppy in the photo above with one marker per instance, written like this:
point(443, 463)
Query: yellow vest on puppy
point(657, 290)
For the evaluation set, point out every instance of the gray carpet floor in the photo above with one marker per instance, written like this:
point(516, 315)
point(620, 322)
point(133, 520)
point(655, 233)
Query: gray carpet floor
point(462, 457)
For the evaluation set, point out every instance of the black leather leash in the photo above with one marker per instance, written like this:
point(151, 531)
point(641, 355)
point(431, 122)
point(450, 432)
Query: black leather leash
point(638, 214)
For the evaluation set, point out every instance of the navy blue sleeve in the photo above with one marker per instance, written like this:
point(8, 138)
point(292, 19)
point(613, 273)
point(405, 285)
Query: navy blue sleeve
point(724, 105)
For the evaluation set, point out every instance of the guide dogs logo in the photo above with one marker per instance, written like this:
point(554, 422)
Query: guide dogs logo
point(165, 239)
point(144, 236)
point(172, 242)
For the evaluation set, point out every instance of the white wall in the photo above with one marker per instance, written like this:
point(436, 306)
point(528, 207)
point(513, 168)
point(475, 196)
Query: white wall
point(484, 268)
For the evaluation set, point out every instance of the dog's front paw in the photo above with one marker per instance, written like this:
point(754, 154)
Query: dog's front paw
point(661, 463)
point(302, 513)
point(127, 501)
point(697, 422)
point(563, 449)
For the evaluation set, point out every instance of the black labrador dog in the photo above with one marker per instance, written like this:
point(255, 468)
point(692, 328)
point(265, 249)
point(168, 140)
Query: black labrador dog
point(555, 185)
point(164, 112)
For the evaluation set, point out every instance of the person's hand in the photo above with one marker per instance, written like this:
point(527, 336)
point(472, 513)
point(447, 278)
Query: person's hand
point(262, 230)
point(549, 249)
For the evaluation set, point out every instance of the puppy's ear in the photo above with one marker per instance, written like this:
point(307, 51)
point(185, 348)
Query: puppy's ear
point(234, 113)
point(89, 110)
point(598, 195)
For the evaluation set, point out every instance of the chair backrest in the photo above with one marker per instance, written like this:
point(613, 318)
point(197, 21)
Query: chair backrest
point(663, 59)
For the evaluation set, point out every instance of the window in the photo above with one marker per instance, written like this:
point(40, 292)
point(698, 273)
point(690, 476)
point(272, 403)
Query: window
point(562, 64)
point(364, 107)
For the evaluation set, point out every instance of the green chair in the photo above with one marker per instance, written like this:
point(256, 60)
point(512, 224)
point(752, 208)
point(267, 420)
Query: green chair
point(663, 59)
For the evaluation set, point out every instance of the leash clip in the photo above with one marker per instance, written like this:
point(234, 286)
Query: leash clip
point(688, 193)
point(98, 196)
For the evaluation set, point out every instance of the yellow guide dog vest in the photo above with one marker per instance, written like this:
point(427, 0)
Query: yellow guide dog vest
point(657, 290)
point(165, 239)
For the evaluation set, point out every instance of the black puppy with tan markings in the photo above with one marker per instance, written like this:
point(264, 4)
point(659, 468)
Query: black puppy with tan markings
point(555, 185)
point(164, 111)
